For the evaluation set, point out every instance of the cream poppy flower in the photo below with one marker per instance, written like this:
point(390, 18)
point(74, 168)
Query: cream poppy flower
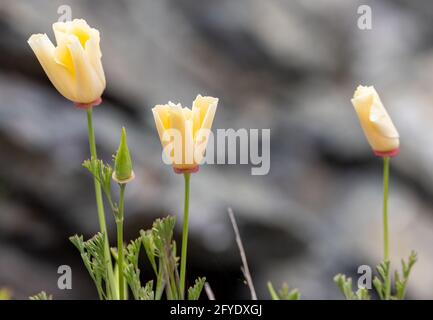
point(375, 121)
point(73, 66)
point(184, 132)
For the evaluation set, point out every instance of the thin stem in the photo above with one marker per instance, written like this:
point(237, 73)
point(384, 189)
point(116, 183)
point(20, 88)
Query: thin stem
point(245, 269)
point(100, 205)
point(119, 224)
point(159, 282)
point(184, 237)
point(170, 284)
point(385, 207)
point(171, 269)
point(385, 225)
point(209, 292)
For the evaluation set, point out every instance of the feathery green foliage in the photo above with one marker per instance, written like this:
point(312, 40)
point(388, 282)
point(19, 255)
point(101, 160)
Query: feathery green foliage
point(382, 282)
point(284, 293)
point(345, 286)
point(41, 296)
point(195, 291)
point(92, 252)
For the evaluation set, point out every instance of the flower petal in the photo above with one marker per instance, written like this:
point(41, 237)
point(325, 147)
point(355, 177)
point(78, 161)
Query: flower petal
point(89, 85)
point(57, 73)
point(203, 109)
point(381, 120)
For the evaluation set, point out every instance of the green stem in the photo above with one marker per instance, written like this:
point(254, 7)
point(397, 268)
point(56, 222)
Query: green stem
point(119, 224)
point(385, 225)
point(184, 237)
point(100, 206)
point(159, 282)
point(385, 208)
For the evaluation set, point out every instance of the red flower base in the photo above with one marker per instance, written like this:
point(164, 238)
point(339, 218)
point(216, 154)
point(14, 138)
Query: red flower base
point(391, 153)
point(85, 106)
point(182, 171)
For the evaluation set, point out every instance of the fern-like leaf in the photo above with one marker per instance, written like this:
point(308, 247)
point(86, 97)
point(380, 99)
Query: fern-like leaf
point(41, 296)
point(195, 291)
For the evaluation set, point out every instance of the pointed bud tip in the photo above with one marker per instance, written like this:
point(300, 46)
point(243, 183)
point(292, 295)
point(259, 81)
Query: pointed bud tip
point(123, 162)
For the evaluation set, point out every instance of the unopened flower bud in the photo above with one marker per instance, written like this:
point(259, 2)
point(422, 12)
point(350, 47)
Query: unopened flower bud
point(123, 164)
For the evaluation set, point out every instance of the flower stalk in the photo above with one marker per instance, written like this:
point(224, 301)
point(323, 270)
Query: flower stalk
point(184, 236)
point(385, 208)
point(100, 205)
point(385, 225)
point(120, 255)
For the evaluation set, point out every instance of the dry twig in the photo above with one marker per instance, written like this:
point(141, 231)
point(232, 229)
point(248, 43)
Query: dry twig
point(209, 291)
point(245, 269)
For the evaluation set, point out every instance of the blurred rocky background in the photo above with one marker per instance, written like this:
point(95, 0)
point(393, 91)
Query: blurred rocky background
point(290, 66)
